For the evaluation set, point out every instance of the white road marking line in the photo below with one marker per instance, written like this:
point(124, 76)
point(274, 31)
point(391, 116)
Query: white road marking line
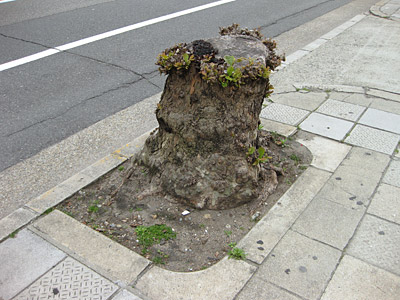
point(105, 35)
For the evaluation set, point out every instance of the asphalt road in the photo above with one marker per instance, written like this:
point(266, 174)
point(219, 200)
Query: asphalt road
point(44, 101)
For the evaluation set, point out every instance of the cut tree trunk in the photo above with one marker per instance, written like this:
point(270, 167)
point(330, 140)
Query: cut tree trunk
point(198, 153)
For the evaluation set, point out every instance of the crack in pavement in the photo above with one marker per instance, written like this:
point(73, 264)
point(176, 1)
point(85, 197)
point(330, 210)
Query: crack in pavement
point(124, 85)
point(293, 15)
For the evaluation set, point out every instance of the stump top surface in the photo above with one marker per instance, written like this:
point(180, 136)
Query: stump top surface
point(240, 46)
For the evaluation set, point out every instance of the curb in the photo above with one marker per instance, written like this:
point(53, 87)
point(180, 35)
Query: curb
point(376, 9)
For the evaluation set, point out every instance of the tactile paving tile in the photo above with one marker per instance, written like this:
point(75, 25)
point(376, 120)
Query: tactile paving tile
point(392, 175)
point(373, 139)
point(69, 280)
point(340, 109)
point(284, 114)
point(377, 242)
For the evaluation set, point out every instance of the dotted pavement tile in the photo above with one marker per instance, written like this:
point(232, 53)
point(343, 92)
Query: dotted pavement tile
point(69, 280)
point(284, 114)
point(341, 110)
point(373, 139)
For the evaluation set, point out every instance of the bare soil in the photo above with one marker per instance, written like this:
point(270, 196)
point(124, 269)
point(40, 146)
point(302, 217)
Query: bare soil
point(202, 236)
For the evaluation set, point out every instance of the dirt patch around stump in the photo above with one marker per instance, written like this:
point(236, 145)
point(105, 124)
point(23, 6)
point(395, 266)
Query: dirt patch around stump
point(203, 237)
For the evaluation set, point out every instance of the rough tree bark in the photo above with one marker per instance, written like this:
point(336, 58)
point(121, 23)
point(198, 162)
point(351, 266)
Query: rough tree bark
point(198, 153)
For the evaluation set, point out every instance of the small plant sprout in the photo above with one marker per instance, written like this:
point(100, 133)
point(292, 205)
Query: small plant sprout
point(121, 168)
point(262, 157)
point(94, 208)
point(150, 235)
point(260, 127)
point(295, 158)
point(228, 233)
point(235, 252)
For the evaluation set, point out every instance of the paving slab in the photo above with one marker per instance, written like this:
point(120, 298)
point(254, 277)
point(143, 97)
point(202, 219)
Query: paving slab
point(300, 265)
point(386, 203)
point(221, 281)
point(69, 280)
point(283, 113)
point(356, 280)
point(353, 183)
point(307, 101)
point(126, 295)
point(357, 99)
point(384, 94)
point(23, 259)
point(341, 110)
point(392, 175)
point(328, 222)
point(263, 290)
point(98, 250)
point(264, 236)
point(381, 119)
point(15, 220)
point(373, 139)
point(377, 242)
point(326, 126)
point(327, 154)
point(279, 128)
point(386, 105)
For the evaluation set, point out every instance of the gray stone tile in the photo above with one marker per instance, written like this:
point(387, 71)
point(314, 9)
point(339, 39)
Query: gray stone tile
point(355, 180)
point(283, 113)
point(69, 280)
point(355, 279)
point(97, 250)
point(15, 220)
point(328, 222)
point(282, 129)
point(373, 139)
point(381, 119)
point(357, 99)
point(300, 265)
point(126, 295)
point(326, 126)
point(221, 281)
point(272, 227)
point(386, 105)
point(386, 203)
point(23, 259)
point(308, 101)
point(377, 242)
point(327, 154)
point(341, 110)
point(383, 94)
point(262, 290)
point(392, 175)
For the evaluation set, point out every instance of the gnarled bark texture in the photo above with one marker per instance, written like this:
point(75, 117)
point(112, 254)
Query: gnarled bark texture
point(199, 150)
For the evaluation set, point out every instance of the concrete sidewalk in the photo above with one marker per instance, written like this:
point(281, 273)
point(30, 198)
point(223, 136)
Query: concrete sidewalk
point(335, 234)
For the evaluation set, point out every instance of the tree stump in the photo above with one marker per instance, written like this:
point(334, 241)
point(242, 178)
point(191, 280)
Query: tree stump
point(205, 152)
